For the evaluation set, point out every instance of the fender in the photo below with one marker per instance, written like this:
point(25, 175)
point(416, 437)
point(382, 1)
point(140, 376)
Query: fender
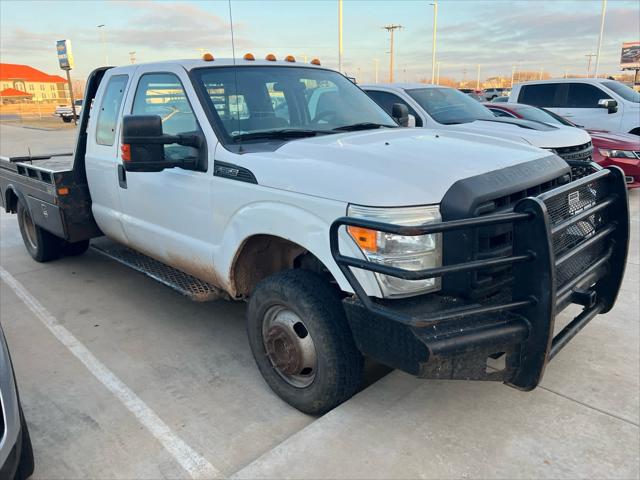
point(296, 224)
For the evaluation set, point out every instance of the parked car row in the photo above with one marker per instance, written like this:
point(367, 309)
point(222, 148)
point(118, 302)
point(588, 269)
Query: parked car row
point(609, 148)
point(441, 108)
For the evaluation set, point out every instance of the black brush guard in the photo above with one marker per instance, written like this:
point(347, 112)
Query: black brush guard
point(569, 246)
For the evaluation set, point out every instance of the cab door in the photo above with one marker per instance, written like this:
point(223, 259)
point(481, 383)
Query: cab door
point(169, 214)
point(101, 156)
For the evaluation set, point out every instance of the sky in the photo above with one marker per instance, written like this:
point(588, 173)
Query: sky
point(553, 35)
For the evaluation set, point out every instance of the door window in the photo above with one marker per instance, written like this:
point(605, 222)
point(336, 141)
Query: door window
point(583, 95)
point(540, 95)
point(163, 94)
point(501, 113)
point(386, 101)
point(109, 109)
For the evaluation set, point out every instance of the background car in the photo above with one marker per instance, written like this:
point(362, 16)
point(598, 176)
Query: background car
point(16, 454)
point(491, 93)
point(598, 103)
point(620, 149)
point(445, 108)
point(65, 112)
point(500, 100)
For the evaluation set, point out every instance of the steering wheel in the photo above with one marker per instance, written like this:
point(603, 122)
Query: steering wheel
point(325, 115)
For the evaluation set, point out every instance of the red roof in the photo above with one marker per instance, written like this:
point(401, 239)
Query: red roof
point(11, 71)
point(12, 92)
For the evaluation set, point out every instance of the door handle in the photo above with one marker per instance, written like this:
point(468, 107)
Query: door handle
point(122, 176)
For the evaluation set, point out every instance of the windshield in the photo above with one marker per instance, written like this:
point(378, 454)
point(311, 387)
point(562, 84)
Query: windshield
point(448, 106)
point(543, 116)
point(625, 92)
point(257, 103)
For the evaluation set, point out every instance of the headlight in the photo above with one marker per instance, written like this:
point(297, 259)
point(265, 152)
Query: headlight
point(406, 252)
point(605, 152)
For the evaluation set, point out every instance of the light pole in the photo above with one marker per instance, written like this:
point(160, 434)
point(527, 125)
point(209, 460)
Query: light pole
point(541, 70)
point(391, 28)
point(589, 57)
point(604, 11)
point(433, 46)
point(513, 72)
point(375, 68)
point(132, 57)
point(438, 73)
point(104, 43)
point(478, 79)
point(340, 36)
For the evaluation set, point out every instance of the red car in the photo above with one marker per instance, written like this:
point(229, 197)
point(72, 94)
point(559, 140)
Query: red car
point(619, 149)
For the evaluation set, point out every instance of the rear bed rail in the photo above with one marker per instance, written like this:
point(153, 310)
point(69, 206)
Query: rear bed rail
point(569, 246)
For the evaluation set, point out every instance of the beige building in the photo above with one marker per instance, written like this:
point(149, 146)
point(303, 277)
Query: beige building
point(32, 84)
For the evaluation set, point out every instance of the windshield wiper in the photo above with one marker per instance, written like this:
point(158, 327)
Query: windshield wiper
point(284, 133)
point(361, 126)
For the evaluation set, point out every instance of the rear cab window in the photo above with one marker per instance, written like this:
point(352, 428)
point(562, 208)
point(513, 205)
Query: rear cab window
point(539, 95)
point(109, 109)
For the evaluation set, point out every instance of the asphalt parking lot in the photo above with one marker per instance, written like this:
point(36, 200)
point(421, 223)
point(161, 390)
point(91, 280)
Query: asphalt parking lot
point(121, 377)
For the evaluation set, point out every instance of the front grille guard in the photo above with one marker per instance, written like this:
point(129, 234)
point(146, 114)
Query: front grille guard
point(536, 294)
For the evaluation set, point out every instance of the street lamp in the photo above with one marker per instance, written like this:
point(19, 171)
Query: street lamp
point(433, 46)
point(391, 28)
point(604, 11)
point(104, 42)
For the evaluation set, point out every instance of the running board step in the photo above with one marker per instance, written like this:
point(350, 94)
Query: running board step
point(188, 285)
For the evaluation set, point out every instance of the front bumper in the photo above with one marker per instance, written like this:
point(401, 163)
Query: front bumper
point(569, 246)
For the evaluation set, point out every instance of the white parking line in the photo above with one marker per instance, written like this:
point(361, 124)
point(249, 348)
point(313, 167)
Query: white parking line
point(194, 463)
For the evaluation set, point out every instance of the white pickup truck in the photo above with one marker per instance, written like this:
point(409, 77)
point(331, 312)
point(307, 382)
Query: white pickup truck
point(284, 184)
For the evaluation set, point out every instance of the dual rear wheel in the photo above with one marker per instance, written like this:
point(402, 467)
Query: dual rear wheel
point(42, 245)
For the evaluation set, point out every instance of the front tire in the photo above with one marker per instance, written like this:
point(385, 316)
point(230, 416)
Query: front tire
point(41, 245)
point(302, 342)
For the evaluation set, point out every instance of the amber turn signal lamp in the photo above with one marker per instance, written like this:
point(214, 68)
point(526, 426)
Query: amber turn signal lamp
point(270, 57)
point(289, 58)
point(315, 61)
point(365, 238)
point(207, 57)
point(249, 56)
point(63, 191)
point(126, 152)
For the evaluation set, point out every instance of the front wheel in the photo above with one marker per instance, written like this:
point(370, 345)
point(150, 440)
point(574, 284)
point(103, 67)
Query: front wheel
point(66, 119)
point(302, 342)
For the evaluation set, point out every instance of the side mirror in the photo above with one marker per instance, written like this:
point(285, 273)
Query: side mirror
point(143, 144)
point(400, 114)
point(610, 104)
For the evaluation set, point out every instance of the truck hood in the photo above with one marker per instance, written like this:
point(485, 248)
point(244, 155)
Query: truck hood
point(544, 136)
point(385, 167)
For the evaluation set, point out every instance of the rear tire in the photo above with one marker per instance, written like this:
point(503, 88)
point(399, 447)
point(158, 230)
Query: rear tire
point(41, 245)
point(314, 365)
point(66, 119)
point(76, 248)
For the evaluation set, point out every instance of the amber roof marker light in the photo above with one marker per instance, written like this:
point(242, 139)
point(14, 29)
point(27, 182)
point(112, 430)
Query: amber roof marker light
point(290, 58)
point(249, 56)
point(208, 57)
point(270, 57)
point(315, 61)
